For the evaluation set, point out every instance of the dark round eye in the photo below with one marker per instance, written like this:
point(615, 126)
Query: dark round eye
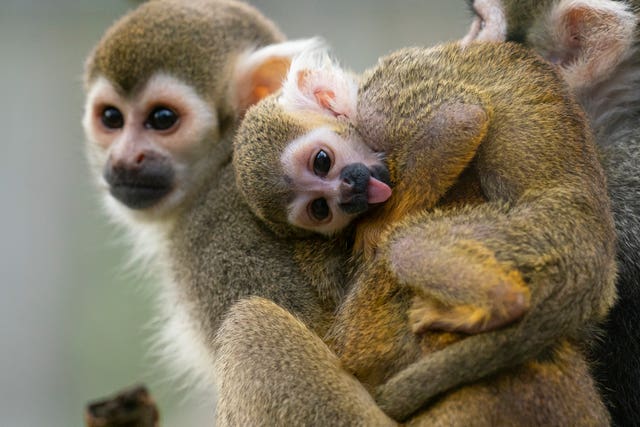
point(321, 163)
point(161, 118)
point(112, 118)
point(319, 209)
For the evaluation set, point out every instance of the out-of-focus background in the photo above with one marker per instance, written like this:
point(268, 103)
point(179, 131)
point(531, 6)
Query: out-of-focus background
point(74, 324)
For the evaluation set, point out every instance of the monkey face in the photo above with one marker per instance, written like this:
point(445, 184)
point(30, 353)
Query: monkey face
point(145, 146)
point(334, 179)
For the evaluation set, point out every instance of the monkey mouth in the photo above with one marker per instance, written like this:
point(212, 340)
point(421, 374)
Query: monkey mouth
point(139, 189)
point(377, 191)
point(139, 197)
point(379, 185)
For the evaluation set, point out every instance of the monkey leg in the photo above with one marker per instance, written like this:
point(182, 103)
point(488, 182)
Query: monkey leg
point(553, 390)
point(564, 251)
point(471, 292)
point(273, 371)
point(460, 286)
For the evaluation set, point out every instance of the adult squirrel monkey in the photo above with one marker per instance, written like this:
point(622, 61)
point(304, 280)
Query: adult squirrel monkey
point(167, 86)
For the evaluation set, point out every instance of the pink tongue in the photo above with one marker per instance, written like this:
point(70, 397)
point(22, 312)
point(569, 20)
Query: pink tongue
point(377, 191)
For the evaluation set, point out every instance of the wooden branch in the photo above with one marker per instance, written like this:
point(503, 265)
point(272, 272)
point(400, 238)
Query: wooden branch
point(132, 407)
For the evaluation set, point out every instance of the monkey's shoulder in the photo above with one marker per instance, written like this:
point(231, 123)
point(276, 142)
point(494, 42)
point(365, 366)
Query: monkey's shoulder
point(497, 70)
point(224, 252)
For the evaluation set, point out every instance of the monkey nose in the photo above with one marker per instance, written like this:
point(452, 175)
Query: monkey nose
point(354, 178)
point(359, 189)
point(353, 188)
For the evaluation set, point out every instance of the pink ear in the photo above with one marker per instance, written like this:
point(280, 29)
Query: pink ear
point(314, 83)
point(324, 96)
point(260, 72)
point(593, 38)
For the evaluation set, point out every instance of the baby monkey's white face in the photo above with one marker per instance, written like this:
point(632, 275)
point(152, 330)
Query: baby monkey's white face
point(334, 180)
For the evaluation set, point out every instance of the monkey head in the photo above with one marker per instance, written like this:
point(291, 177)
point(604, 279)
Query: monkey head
point(166, 87)
point(299, 159)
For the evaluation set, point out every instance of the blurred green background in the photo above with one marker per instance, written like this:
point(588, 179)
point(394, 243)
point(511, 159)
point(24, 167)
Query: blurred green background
point(74, 323)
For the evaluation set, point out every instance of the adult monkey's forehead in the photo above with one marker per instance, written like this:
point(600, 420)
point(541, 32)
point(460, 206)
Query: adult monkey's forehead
point(181, 39)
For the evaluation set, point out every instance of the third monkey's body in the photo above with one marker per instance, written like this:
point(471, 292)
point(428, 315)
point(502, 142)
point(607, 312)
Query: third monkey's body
point(601, 62)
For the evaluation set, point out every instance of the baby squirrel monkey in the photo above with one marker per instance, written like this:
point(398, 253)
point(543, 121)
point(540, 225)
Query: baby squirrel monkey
point(595, 47)
point(323, 174)
point(521, 207)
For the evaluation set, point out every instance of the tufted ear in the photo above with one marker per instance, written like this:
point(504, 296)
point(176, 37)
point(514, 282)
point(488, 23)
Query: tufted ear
point(261, 72)
point(316, 83)
point(591, 38)
point(489, 24)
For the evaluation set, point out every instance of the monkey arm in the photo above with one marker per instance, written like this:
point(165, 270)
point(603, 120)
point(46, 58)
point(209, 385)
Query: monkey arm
point(426, 164)
point(559, 240)
point(442, 147)
point(283, 374)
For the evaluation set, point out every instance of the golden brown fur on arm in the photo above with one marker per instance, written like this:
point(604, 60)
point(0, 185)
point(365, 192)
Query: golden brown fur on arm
point(424, 166)
point(424, 163)
point(568, 270)
point(284, 374)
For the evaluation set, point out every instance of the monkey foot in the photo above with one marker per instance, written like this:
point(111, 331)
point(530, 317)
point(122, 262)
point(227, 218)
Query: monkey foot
point(428, 314)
